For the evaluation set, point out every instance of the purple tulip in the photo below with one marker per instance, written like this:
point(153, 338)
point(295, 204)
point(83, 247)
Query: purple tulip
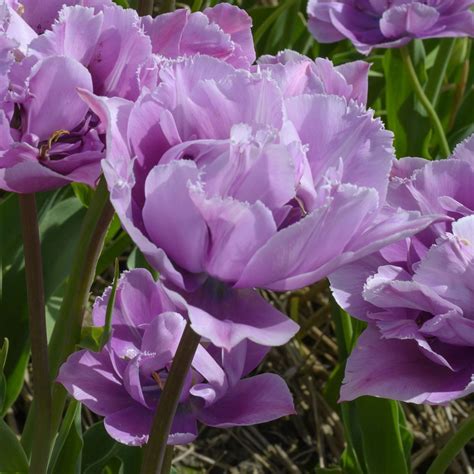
point(109, 50)
point(297, 74)
point(417, 295)
point(388, 23)
point(229, 179)
point(41, 15)
point(223, 32)
point(123, 382)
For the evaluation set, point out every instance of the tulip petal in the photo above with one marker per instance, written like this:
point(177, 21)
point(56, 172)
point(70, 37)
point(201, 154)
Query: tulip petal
point(170, 216)
point(397, 369)
point(253, 400)
point(74, 34)
point(226, 317)
point(53, 78)
point(91, 379)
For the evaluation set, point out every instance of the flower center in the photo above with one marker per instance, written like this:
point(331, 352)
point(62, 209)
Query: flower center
point(46, 147)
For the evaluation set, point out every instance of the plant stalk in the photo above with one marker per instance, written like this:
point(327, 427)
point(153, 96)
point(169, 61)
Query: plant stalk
point(67, 330)
point(38, 335)
point(453, 447)
point(168, 461)
point(145, 7)
point(420, 93)
point(155, 450)
point(166, 6)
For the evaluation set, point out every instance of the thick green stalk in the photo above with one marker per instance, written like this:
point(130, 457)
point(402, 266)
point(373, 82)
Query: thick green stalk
point(168, 461)
point(38, 335)
point(453, 447)
point(145, 7)
point(67, 329)
point(155, 450)
point(420, 93)
point(166, 6)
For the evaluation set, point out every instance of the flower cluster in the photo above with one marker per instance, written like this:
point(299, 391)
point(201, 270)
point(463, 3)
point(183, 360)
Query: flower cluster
point(388, 23)
point(417, 295)
point(123, 382)
point(233, 175)
point(49, 136)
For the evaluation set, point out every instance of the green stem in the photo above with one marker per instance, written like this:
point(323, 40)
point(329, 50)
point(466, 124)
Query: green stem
point(155, 450)
point(166, 6)
point(438, 71)
point(453, 447)
point(168, 461)
point(67, 329)
point(420, 93)
point(145, 7)
point(38, 336)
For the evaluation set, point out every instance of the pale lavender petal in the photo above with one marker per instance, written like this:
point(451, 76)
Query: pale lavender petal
point(74, 34)
point(465, 150)
point(41, 15)
point(162, 336)
point(165, 32)
point(167, 190)
point(335, 130)
point(356, 74)
point(237, 23)
point(51, 78)
point(448, 268)
point(414, 19)
point(131, 425)
point(286, 261)
point(236, 229)
point(254, 400)
point(184, 428)
point(451, 328)
point(348, 282)
point(122, 47)
point(227, 317)
point(91, 379)
point(398, 370)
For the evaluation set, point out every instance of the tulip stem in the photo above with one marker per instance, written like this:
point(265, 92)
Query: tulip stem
point(155, 450)
point(38, 335)
point(67, 329)
point(168, 460)
point(420, 93)
point(145, 7)
point(453, 447)
point(166, 6)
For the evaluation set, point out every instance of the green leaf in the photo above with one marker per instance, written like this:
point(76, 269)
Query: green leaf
point(271, 19)
point(110, 307)
point(137, 260)
point(4, 353)
point(83, 193)
point(12, 456)
point(404, 115)
point(102, 454)
point(91, 337)
point(112, 251)
point(66, 455)
point(379, 423)
point(3, 379)
point(60, 216)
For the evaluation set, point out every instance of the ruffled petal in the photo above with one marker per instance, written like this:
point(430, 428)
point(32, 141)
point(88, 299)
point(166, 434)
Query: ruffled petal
point(397, 369)
point(251, 401)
